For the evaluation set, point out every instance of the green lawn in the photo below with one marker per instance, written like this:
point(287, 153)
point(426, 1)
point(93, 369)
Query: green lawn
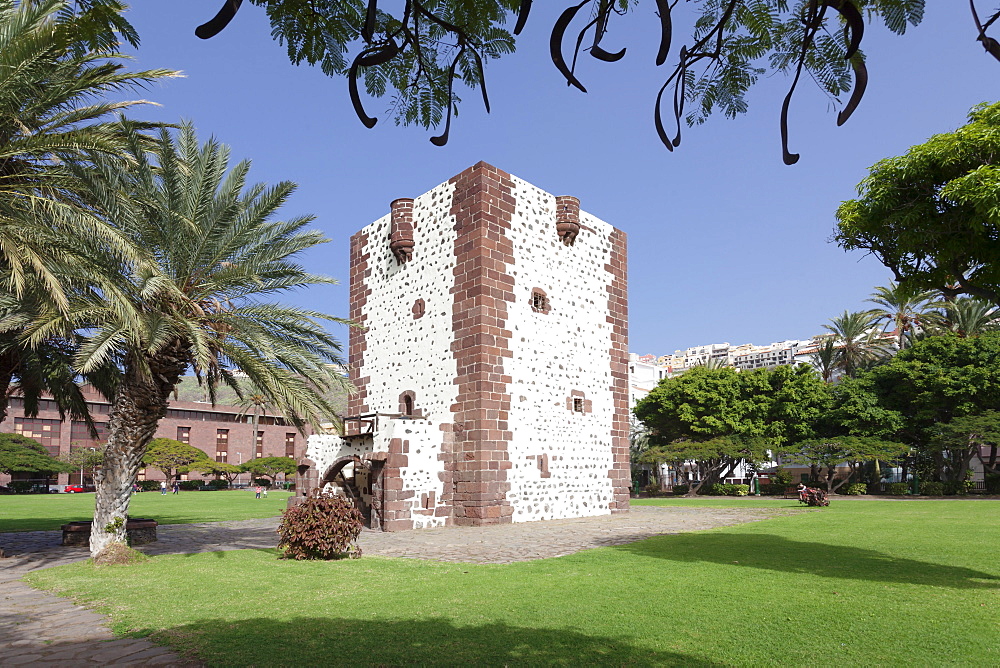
point(866, 582)
point(44, 512)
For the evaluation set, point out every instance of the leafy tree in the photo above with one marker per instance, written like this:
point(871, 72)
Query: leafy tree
point(855, 410)
point(416, 50)
point(905, 309)
point(20, 454)
point(937, 380)
point(172, 457)
point(963, 439)
point(221, 469)
point(202, 299)
point(857, 340)
point(931, 215)
point(713, 459)
point(83, 458)
point(270, 467)
point(826, 454)
point(718, 419)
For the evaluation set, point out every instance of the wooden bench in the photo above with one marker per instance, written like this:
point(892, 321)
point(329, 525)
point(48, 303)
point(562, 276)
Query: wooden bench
point(140, 532)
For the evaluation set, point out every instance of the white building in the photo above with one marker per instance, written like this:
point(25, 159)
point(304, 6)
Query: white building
point(492, 365)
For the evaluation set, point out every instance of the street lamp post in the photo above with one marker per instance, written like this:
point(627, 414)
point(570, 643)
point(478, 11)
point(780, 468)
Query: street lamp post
point(240, 455)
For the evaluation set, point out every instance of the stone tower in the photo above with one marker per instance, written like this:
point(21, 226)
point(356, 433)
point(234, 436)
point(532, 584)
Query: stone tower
point(491, 367)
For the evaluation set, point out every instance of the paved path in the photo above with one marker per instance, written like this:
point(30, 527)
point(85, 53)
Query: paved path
point(37, 628)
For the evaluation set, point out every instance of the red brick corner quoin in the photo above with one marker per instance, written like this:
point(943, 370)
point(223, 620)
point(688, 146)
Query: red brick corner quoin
point(483, 207)
point(357, 403)
point(618, 319)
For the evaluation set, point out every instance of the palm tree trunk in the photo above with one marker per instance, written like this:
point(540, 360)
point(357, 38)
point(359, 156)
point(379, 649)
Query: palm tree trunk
point(139, 404)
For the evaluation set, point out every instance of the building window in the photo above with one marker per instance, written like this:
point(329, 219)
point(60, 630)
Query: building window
point(539, 301)
point(45, 432)
point(184, 435)
point(260, 444)
point(79, 434)
point(578, 403)
point(290, 445)
point(408, 405)
point(221, 445)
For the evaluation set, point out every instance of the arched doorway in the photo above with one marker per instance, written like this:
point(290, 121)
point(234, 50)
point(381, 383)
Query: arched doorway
point(351, 478)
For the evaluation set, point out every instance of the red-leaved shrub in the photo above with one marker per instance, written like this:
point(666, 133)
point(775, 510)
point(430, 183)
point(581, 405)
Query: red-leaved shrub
point(324, 526)
point(815, 497)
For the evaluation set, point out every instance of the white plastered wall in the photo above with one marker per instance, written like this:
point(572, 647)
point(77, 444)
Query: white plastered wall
point(403, 353)
point(555, 353)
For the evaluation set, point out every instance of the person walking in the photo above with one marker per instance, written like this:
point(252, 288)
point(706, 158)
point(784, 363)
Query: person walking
point(163, 487)
point(177, 487)
point(257, 490)
point(265, 491)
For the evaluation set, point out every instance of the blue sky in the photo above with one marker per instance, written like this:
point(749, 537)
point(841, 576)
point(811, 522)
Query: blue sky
point(726, 243)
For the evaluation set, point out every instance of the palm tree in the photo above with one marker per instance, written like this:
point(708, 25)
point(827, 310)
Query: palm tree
point(54, 69)
point(907, 310)
point(856, 339)
point(52, 114)
point(824, 360)
point(202, 300)
point(970, 316)
point(256, 402)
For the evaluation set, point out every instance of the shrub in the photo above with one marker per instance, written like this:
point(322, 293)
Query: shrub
point(149, 485)
point(956, 487)
point(773, 489)
point(653, 489)
point(781, 478)
point(897, 489)
point(857, 489)
point(324, 526)
point(24, 487)
point(815, 497)
point(191, 485)
point(218, 484)
point(932, 488)
point(993, 484)
point(740, 490)
point(681, 490)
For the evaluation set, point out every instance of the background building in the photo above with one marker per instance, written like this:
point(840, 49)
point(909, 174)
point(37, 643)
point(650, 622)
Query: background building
point(224, 433)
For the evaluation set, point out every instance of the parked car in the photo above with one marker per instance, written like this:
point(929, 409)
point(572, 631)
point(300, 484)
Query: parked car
point(73, 489)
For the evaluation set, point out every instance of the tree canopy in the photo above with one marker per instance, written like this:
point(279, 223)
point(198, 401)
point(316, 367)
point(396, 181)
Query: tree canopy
point(20, 454)
point(416, 51)
point(932, 216)
point(827, 454)
point(169, 456)
point(270, 467)
point(721, 418)
point(936, 380)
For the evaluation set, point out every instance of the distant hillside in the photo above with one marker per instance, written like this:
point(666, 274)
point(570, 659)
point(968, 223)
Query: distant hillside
point(189, 390)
